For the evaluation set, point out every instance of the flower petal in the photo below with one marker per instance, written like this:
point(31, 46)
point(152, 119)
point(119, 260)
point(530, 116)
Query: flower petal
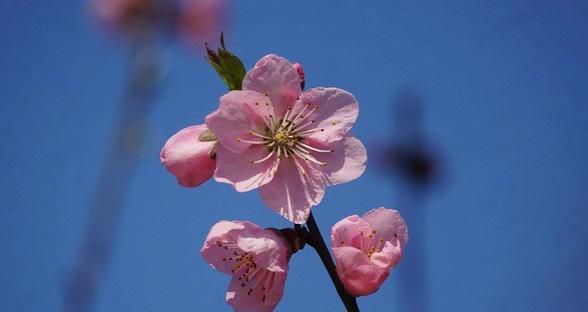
point(349, 232)
point(336, 113)
point(188, 158)
point(239, 113)
point(275, 76)
point(261, 293)
point(237, 169)
point(365, 279)
point(221, 242)
point(345, 163)
point(269, 250)
point(359, 276)
point(292, 194)
point(388, 257)
point(388, 225)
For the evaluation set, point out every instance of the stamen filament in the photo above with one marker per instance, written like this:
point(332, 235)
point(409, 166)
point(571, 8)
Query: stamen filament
point(296, 129)
point(263, 159)
point(311, 131)
point(259, 135)
point(306, 115)
point(308, 157)
point(314, 148)
point(249, 141)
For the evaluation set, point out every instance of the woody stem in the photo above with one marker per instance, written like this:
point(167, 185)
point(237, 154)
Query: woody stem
point(316, 241)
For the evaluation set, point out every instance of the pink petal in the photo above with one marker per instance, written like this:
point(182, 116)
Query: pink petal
point(349, 232)
point(250, 295)
point(336, 113)
point(345, 163)
point(237, 169)
point(388, 257)
point(239, 113)
point(388, 225)
point(358, 275)
point(188, 158)
point(365, 280)
point(291, 194)
point(275, 76)
point(268, 249)
point(227, 233)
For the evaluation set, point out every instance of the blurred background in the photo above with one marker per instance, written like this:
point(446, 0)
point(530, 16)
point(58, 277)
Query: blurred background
point(474, 114)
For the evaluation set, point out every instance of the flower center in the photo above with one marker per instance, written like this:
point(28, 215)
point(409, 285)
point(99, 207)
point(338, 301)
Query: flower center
point(284, 137)
point(369, 245)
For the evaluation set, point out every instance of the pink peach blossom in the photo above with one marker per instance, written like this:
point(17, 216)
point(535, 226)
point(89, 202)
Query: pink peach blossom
point(366, 248)
point(256, 258)
point(189, 155)
point(288, 143)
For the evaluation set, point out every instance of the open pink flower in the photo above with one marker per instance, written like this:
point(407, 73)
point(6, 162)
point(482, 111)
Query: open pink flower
point(256, 258)
point(189, 155)
point(366, 248)
point(288, 143)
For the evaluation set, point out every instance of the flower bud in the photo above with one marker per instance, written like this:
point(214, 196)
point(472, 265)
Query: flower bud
point(367, 248)
point(300, 72)
point(190, 155)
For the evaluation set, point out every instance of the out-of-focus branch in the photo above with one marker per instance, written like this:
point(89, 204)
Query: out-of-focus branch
point(118, 168)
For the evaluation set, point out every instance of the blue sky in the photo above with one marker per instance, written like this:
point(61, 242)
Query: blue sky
point(506, 97)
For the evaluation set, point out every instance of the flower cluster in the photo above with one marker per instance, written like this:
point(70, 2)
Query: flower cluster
point(269, 134)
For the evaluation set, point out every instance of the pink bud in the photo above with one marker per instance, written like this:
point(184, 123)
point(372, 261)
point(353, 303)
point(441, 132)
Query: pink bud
point(300, 72)
point(367, 248)
point(189, 155)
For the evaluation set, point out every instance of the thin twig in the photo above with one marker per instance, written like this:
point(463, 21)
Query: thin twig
point(317, 242)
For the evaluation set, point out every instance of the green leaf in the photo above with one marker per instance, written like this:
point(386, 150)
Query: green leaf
point(228, 66)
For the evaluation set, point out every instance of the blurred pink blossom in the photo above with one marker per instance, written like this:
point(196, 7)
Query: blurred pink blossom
point(122, 15)
point(189, 155)
point(202, 20)
point(256, 258)
point(288, 143)
point(366, 248)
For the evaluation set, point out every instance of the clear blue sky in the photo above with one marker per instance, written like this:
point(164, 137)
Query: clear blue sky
point(507, 104)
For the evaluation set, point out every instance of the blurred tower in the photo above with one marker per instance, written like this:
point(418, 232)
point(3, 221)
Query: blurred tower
point(414, 169)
